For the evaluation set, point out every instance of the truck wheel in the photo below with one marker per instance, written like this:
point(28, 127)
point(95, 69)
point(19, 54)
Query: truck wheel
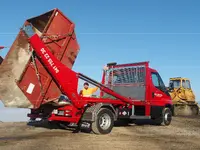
point(166, 117)
point(104, 122)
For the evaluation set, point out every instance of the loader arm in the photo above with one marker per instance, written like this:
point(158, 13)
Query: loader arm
point(66, 78)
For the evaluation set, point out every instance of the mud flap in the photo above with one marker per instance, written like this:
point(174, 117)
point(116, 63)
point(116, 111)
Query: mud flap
point(91, 112)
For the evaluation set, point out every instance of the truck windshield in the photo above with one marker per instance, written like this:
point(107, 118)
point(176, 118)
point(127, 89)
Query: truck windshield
point(177, 83)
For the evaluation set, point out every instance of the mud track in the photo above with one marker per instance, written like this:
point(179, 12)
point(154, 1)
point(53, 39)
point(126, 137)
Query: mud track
point(182, 134)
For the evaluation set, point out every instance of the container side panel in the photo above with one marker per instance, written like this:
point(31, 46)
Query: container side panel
point(31, 87)
point(41, 21)
point(11, 71)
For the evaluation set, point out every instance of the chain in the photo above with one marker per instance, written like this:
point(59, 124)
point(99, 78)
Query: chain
point(37, 72)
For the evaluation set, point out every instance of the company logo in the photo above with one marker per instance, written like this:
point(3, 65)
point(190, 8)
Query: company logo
point(158, 95)
point(49, 60)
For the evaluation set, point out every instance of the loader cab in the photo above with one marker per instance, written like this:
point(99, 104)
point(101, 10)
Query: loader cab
point(176, 83)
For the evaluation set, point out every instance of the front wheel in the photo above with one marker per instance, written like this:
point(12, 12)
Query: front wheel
point(104, 122)
point(166, 117)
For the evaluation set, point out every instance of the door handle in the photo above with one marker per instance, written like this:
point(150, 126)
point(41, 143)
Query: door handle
point(153, 94)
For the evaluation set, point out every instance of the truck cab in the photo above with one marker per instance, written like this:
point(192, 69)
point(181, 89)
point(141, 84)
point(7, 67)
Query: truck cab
point(144, 86)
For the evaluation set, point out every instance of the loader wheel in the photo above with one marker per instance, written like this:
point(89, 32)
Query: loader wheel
point(165, 119)
point(195, 110)
point(175, 111)
point(104, 122)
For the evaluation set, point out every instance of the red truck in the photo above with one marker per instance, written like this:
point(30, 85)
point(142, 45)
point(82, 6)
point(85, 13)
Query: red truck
point(128, 91)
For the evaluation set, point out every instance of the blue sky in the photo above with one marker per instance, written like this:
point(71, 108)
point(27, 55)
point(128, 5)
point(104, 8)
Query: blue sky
point(166, 33)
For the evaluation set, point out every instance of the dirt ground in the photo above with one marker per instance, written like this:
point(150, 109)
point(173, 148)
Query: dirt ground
point(182, 134)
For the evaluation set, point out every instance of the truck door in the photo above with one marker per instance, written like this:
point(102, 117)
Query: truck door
point(159, 93)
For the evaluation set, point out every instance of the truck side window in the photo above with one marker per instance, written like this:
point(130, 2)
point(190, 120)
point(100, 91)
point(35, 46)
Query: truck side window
point(158, 83)
point(155, 80)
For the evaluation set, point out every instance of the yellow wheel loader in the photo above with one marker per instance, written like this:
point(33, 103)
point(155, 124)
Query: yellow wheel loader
point(183, 97)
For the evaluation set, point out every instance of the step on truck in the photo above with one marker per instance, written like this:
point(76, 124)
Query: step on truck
point(127, 91)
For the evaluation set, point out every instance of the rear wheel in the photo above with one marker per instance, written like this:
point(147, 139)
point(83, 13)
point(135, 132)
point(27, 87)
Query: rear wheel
point(166, 117)
point(104, 122)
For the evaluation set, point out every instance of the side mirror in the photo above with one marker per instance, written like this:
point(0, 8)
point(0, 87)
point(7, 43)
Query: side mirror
point(171, 86)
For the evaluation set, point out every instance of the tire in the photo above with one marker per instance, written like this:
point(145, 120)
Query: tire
point(104, 122)
point(175, 111)
point(195, 110)
point(165, 119)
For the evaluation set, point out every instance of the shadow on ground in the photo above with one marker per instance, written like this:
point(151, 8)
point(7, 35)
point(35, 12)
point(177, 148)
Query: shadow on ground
point(121, 123)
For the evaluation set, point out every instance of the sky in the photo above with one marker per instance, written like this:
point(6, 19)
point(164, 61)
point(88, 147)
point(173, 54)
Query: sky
point(165, 33)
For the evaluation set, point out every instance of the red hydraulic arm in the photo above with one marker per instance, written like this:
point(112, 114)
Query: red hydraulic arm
point(65, 77)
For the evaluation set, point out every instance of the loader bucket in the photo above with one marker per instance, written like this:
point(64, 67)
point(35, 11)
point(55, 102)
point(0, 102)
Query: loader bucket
point(19, 84)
